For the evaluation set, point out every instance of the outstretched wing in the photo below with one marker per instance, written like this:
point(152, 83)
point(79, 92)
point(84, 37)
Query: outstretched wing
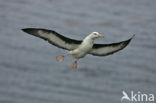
point(54, 38)
point(107, 49)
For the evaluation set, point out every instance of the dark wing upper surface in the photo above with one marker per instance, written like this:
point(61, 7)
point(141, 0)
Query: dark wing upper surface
point(107, 49)
point(54, 38)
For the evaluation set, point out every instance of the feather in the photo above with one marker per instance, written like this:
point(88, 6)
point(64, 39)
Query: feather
point(107, 49)
point(54, 38)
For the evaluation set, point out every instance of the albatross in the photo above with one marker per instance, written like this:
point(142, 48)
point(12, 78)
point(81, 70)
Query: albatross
point(77, 48)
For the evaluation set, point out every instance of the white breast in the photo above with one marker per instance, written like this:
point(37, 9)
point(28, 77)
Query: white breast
point(83, 49)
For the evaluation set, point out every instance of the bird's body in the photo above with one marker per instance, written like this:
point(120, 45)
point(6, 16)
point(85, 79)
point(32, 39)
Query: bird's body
point(83, 49)
point(76, 48)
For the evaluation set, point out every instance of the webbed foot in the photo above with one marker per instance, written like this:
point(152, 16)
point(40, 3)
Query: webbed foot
point(74, 65)
point(60, 58)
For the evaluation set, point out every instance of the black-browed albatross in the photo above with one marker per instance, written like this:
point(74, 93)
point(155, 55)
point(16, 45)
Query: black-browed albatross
point(77, 48)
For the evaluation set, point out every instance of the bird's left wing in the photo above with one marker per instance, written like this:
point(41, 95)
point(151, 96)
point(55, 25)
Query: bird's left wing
point(107, 49)
point(54, 38)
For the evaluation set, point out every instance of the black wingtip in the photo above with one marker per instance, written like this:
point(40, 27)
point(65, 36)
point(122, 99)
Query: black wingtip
point(27, 30)
point(131, 38)
point(23, 30)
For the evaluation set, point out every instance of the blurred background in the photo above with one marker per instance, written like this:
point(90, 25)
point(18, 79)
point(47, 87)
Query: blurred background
point(29, 72)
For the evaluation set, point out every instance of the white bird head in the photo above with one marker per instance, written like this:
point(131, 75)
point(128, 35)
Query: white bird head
point(95, 35)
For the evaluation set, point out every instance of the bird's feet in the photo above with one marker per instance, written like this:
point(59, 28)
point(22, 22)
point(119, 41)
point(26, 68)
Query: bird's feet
point(60, 58)
point(74, 65)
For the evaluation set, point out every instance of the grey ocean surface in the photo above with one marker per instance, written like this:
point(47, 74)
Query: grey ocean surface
point(29, 72)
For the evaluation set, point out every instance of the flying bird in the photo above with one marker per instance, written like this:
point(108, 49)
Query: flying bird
point(77, 48)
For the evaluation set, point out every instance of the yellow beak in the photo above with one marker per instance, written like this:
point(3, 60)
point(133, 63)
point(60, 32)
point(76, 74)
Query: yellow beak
point(100, 36)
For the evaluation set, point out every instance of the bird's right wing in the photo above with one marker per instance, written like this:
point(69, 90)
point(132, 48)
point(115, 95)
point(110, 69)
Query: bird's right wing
point(54, 38)
point(107, 49)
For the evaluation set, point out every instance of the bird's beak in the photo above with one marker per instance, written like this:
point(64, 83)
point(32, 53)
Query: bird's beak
point(100, 36)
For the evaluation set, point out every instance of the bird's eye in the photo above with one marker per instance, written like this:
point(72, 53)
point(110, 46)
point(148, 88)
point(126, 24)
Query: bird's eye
point(95, 33)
